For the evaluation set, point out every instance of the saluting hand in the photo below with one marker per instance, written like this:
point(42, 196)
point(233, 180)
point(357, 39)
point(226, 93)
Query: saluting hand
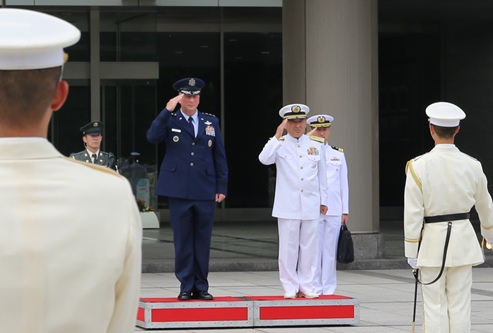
point(280, 129)
point(172, 103)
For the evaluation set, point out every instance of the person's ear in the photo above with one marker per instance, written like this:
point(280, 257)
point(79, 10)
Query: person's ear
point(60, 97)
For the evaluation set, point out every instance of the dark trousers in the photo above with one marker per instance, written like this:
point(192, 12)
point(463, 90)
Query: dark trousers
point(192, 222)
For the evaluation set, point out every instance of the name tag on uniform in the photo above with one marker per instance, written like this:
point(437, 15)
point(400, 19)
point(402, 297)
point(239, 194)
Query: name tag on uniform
point(176, 130)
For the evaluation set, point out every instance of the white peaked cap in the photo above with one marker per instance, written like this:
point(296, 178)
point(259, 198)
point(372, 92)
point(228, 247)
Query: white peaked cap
point(321, 120)
point(294, 111)
point(33, 40)
point(445, 114)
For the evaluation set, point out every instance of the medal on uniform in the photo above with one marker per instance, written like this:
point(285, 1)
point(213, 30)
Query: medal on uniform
point(209, 143)
point(208, 123)
point(312, 150)
point(176, 138)
point(209, 130)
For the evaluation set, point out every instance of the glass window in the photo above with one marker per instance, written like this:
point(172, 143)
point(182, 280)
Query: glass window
point(253, 97)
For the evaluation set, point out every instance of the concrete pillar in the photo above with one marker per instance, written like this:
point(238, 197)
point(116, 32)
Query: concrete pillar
point(330, 63)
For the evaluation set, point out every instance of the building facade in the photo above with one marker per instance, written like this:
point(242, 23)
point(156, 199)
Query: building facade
point(372, 64)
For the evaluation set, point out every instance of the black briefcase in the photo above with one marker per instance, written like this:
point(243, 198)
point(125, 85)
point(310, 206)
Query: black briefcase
point(345, 249)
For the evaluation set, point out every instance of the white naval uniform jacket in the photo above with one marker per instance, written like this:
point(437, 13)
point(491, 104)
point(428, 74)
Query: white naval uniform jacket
point(451, 182)
point(64, 270)
point(301, 179)
point(337, 178)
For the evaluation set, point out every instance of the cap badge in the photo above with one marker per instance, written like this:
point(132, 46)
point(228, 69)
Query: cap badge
point(321, 119)
point(295, 108)
point(191, 82)
point(95, 124)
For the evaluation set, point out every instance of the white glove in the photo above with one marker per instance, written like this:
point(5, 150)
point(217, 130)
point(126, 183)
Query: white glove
point(413, 262)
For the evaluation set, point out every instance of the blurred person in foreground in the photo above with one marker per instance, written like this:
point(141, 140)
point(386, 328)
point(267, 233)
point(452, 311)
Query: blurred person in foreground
point(70, 232)
point(441, 188)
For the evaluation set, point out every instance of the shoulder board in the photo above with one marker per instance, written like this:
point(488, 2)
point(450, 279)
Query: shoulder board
point(408, 164)
point(316, 138)
point(209, 114)
point(281, 138)
point(81, 153)
point(337, 148)
point(107, 153)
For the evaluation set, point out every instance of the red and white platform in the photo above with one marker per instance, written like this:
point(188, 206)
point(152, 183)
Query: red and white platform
point(172, 313)
point(248, 311)
point(325, 310)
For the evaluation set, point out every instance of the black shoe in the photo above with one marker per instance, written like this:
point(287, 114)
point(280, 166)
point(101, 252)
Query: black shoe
point(203, 295)
point(185, 296)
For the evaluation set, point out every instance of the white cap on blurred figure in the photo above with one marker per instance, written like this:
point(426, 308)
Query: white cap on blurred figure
point(33, 40)
point(445, 114)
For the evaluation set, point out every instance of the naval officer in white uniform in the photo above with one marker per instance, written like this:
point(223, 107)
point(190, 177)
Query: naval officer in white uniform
point(441, 188)
point(300, 198)
point(70, 231)
point(338, 200)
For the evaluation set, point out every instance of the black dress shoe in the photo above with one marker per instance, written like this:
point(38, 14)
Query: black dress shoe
point(203, 295)
point(185, 296)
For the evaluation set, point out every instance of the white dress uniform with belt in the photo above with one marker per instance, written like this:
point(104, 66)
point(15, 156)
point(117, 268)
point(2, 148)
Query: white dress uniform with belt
point(70, 232)
point(301, 187)
point(338, 203)
point(442, 182)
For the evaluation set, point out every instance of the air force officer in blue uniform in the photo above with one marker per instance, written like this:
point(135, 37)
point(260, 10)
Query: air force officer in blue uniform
point(193, 176)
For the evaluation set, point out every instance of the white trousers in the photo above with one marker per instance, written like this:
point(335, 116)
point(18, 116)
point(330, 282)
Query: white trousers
point(447, 302)
point(298, 253)
point(329, 228)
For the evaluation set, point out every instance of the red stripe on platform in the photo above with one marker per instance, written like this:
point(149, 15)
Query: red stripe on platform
point(279, 298)
point(306, 312)
point(140, 314)
point(174, 300)
point(198, 314)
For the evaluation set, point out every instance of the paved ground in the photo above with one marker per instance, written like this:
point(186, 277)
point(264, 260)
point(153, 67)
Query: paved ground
point(244, 263)
point(386, 298)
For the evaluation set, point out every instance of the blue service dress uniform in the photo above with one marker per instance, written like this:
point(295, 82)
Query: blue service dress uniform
point(193, 171)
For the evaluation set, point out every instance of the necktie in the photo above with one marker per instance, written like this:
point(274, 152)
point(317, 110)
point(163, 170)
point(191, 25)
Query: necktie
point(94, 157)
point(190, 121)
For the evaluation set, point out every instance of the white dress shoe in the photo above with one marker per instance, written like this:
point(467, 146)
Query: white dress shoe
point(307, 295)
point(290, 295)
